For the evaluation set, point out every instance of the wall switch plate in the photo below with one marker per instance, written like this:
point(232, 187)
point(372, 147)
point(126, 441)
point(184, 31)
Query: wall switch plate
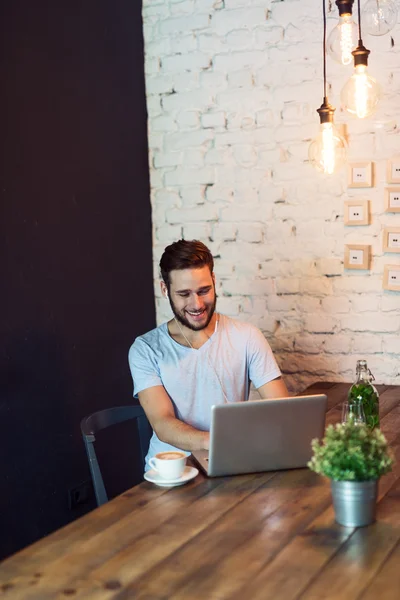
point(356, 256)
point(392, 199)
point(391, 239)
point(393, 170)
point(391, 278)
point(394, 277)
point(360, 175)
point(356, 212)
point(394, 240)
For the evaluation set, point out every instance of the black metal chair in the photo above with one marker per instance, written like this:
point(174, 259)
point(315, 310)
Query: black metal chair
point(102, 419)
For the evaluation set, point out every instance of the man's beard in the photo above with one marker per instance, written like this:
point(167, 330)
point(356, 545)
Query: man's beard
point(183, 321)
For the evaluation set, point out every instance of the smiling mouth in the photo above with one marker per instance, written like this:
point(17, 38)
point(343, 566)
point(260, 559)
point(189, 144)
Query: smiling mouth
point(197, 313)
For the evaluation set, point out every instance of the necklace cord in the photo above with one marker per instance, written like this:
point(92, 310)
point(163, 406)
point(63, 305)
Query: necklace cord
point(208, 357)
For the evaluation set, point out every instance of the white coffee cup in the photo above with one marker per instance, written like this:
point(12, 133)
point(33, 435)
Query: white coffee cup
point(169, 464)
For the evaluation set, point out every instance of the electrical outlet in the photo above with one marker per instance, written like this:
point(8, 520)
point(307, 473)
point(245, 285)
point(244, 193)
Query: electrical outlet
point(393, 170)
point(81, 494)
point(359, 175)
point(391, 278)
point(394, 199)
point(394, 240)
point(356, 213)
point(394, 278)
point(356, 257)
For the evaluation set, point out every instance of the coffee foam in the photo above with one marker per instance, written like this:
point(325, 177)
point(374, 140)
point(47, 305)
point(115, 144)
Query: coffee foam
point(170, 455)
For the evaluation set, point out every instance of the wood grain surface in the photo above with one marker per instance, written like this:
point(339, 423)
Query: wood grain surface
point(258, 537)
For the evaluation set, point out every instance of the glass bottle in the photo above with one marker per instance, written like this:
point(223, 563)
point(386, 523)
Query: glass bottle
point(365, 392)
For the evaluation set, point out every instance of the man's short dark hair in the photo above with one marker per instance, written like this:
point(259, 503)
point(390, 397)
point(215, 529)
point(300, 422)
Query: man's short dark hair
point(185, 254)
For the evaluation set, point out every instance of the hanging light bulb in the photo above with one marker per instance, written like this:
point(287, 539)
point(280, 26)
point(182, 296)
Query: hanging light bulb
point(343, 38)
point(379, 16)
point(327, 152)
point(361, 94)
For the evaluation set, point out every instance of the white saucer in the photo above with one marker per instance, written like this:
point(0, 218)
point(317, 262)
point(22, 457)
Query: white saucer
point(188, 474)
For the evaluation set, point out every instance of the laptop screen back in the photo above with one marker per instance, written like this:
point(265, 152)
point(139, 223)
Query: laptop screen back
point(265, 435)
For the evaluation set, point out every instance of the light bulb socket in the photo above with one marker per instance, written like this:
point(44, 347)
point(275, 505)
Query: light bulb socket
point(326, 112)
point(361, 54)
point(345, 7)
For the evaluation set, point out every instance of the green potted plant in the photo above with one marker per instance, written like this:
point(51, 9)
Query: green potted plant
point(354, 457)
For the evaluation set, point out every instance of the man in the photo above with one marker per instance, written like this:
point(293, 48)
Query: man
point(199, 358)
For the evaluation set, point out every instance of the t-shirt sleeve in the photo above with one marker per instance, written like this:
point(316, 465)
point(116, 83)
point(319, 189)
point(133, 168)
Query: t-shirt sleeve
point(263, 367)
point(143, 365)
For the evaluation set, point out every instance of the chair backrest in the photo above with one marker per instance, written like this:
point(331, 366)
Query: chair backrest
point(102, 419)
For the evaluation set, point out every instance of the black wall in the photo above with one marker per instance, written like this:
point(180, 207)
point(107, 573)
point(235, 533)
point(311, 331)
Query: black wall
point(75, 242)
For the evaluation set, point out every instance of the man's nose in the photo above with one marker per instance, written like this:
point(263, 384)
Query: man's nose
point(197, 303)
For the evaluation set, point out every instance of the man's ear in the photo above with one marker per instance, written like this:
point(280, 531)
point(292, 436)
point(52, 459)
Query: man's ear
point(164, 289)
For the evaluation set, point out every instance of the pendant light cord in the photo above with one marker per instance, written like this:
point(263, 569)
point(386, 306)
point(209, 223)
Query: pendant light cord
point(324, 46)
point(359, 23)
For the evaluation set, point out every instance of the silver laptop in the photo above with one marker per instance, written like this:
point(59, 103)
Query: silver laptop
point(264, 435)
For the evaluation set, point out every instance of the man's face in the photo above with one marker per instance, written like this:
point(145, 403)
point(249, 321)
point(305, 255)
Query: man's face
point(192, 297)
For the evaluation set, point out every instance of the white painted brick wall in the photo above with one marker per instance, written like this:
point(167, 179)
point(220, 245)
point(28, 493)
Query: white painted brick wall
point(232, 91)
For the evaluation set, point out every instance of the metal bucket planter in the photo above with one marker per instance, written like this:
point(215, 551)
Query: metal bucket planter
point(354, 502)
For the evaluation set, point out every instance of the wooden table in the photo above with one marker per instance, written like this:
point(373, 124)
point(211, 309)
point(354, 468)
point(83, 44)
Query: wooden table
point(252, 537)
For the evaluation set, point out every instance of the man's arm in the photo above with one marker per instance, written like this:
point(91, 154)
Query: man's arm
point(160, 412)
point(273, 389)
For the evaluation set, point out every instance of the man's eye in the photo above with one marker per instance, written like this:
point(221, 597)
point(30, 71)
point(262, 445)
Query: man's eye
point(203, 292)
point(184, 295)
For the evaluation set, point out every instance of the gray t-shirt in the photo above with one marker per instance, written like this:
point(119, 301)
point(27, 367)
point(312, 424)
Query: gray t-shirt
point(236, 354)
